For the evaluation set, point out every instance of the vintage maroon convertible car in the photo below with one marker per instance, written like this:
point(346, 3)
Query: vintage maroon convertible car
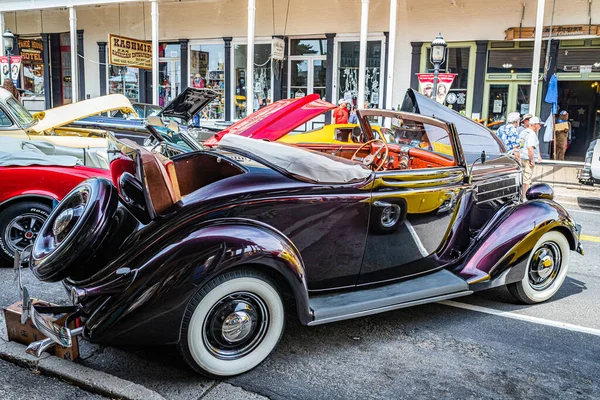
point(200, 249)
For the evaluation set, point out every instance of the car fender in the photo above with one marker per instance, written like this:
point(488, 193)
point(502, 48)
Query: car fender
point(507, 240)
point(162, 286)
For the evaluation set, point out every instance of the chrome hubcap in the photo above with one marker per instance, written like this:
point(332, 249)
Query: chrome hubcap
point(235, 325)
point(390, 215)
point(22, 231)
point(545, 266)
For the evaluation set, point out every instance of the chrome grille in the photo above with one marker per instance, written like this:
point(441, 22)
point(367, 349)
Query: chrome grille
point(497, 189)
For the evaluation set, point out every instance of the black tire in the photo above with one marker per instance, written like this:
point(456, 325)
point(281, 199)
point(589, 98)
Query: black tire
point(387, 219)
point(12, 219)
point(541, 282)
point(86, 213)
point(257, 329)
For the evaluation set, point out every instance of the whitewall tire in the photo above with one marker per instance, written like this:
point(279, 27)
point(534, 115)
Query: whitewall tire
point(547, 268)
point(232, 324)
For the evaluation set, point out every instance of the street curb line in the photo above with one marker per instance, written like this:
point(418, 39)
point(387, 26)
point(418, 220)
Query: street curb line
point(84, 377)
point(579, 201)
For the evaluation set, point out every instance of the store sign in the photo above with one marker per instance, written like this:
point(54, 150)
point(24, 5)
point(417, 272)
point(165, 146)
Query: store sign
point(278, 49)
point(585, 69)
point(443, 85)
point(15, 68)
point(557, 31)
point(129, 52)
point(31, 50)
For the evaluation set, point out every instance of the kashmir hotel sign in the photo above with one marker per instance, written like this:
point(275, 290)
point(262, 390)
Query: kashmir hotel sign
point(129, 52)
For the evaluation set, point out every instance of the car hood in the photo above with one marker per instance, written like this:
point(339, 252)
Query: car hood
point(277, 119)
point(188, 103)
point(64, 115)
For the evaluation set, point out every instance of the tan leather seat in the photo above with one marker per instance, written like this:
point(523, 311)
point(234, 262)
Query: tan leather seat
point(160, 178)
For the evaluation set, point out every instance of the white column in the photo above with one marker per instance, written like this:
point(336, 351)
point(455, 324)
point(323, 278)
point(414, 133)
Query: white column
point(155, 82)
point(74, 69)
point(362, 55)
point(250, 58)
point(391, 54)
point(2, 30)
point(537, 52)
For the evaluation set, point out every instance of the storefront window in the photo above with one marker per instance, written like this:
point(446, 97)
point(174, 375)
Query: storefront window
point(32, 53)
point(308, 47)
point(512, 61)
point(523, 92)
point(169, 72)
point(348, 72)
point(124, 80)
point(207, 70)
point(456, 62)
point(262, 93)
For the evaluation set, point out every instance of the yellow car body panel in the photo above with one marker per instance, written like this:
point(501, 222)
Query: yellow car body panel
point(327, 134)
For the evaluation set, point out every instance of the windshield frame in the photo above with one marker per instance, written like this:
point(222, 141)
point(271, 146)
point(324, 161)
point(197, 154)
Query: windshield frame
point(18, 111)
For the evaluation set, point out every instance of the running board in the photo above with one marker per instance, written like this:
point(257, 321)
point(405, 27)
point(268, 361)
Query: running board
point(437, 286)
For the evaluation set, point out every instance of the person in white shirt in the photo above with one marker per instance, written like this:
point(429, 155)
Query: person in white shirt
point(529, 144)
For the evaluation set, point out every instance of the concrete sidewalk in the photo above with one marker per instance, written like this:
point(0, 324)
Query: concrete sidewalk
point(567, 189)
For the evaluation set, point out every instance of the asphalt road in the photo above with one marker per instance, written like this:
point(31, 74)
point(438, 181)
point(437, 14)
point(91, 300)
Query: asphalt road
point(431, 351)
point(21, 384)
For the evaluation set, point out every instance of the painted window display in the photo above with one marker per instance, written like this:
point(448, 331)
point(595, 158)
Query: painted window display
point(207, 70)
point(263, 91)
point(348, 73)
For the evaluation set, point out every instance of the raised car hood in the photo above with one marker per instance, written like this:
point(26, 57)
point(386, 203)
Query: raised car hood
point(188, 103)
point(276, 120)
point(64, 115)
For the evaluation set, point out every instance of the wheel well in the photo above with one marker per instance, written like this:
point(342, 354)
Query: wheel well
point(282, 284)
point(19, 199)
point(567, 234)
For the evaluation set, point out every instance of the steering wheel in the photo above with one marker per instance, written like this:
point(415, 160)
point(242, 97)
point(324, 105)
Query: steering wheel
point(370, 159)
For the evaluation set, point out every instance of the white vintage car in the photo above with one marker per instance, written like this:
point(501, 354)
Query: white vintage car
point(590, 173)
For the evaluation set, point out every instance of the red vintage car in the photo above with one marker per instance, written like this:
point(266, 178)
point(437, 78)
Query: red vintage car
point(31, 181)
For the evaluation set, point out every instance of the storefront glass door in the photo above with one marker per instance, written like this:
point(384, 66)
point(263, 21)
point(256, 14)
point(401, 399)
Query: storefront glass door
point(503, 98)
point(169, 72)
point(307, 76)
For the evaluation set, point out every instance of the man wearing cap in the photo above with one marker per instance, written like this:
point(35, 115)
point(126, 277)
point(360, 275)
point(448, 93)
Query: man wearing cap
point(562, 132)
point(508, 133)
point(524, 123)
point(340, 114)
point(529, 146)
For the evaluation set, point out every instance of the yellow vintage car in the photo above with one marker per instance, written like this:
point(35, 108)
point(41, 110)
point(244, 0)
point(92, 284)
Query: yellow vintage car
point(333, 133)
point(51, 125)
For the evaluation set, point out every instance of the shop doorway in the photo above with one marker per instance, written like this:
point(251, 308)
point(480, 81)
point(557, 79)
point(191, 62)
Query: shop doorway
point(580, 100)
point(503, 98)
point(307, 76)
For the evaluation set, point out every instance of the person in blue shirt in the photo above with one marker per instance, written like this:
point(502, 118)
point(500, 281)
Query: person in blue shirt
point(353, 118)
point(508, 134)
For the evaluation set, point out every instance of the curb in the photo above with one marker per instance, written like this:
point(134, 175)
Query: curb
point(79, 375)
point(583, 202)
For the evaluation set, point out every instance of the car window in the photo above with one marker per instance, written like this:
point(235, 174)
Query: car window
point(4, 120)
point(24, 117)
point(420, 135)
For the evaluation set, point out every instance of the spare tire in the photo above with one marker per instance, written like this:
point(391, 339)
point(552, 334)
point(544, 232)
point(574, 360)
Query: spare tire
point(75, 230)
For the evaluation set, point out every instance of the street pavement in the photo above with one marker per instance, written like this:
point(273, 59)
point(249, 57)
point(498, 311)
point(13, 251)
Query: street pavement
point(21, 384)
point(549, 350)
